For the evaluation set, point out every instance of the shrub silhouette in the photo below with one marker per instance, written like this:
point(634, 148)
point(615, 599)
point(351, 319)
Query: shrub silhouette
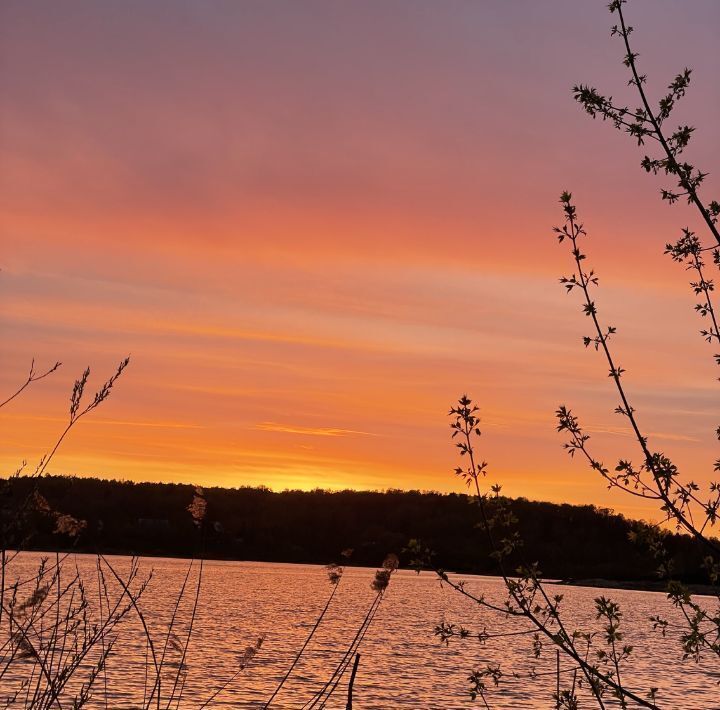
point(598, 657)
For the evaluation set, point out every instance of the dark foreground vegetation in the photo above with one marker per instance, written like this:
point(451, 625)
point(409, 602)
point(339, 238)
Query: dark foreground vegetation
point(573, 541)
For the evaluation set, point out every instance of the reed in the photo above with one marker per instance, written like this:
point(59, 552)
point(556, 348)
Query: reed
point(56, 643)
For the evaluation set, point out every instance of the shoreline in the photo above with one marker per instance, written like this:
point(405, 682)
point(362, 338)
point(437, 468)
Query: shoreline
point(649, 585)
point(639, 585)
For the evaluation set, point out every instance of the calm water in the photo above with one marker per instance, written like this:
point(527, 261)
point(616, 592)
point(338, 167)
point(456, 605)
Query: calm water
point(402, 663)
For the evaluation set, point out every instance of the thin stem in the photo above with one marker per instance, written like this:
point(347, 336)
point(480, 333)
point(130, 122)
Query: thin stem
point(32, 377)
point(304, 646)
point(658, 131)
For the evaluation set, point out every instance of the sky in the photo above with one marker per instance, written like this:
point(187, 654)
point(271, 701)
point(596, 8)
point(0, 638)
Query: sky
point(314, 225)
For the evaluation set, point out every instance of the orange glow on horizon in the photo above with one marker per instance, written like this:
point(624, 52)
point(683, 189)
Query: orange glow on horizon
point(311, 253)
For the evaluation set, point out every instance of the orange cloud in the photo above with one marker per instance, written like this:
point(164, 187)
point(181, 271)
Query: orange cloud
point(309, 431)
point(310, 253)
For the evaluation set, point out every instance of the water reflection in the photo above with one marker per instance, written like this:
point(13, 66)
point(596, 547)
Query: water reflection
point(403, 664)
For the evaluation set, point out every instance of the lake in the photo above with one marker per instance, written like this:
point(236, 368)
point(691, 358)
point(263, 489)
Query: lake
point(402, 663)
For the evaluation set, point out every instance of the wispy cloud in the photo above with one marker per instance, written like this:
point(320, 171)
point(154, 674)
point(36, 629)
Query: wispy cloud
point(114, 422)
point(347, 256)
point(627, 432)
point(309, 431)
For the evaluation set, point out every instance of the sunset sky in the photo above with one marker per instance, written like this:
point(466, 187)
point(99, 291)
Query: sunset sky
point(313, 225)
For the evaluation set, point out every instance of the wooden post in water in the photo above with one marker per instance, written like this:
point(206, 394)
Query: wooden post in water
point(352, 680)
point(557, 682)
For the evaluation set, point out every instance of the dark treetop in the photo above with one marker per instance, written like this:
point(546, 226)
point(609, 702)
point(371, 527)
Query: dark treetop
point(571, 541)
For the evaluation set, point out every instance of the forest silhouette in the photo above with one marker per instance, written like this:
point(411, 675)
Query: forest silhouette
point(573, 541)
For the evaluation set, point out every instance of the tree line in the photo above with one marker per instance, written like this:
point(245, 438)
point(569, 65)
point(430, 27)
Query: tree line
point(246, 523)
